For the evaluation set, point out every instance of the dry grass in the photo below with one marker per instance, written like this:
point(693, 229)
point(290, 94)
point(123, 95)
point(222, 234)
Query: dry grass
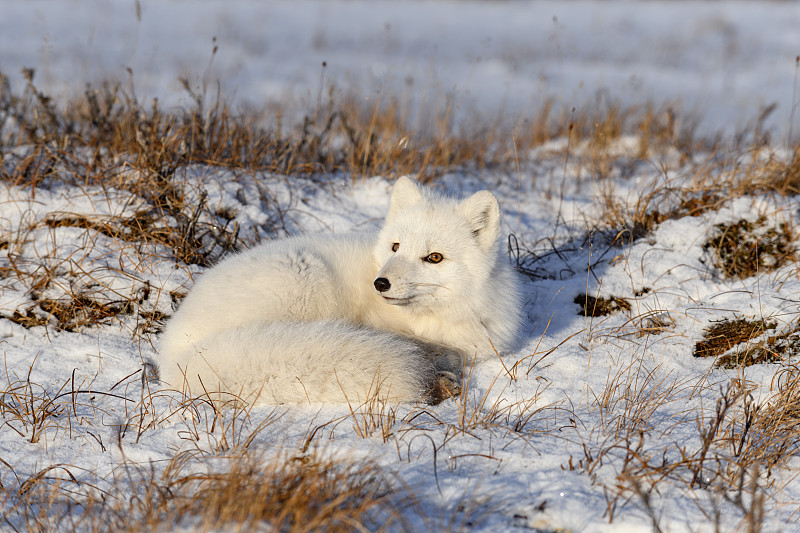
point(93, 135)
point(222, 477)
point(653, 207)
point(744, 248)
point(492, 410)
point(221, 481)
point(729, 341)
point(725, 453)
point(70, 287)
point(248, 492)
point(706, 184)
point(731, 459)
point(39, 413)
point(601, 306)
point(725, 334)
point(109, 140)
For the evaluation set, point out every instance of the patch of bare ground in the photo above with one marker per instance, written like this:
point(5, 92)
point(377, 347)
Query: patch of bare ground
point(745, 248)
point(729, 341)
point(601, 306)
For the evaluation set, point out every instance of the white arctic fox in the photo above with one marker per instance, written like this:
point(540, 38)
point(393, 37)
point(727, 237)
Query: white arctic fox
point(333, 318)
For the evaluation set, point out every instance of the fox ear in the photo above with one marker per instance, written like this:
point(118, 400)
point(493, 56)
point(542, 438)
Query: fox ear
point(483, 216)
point(404, 194)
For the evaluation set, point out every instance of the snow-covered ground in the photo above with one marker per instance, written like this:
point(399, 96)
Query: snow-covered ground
point(542, 438)
point(721, 60)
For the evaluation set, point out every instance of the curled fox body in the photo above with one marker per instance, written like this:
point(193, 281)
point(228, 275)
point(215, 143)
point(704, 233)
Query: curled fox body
point(393, 314)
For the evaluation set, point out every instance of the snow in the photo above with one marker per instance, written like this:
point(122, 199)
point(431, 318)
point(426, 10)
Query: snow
point(557, 404)
point(517, 445)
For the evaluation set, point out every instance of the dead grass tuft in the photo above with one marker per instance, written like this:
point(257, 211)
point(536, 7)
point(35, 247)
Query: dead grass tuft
point(30, 409)
point(729, 333)
point(784, 176)
point(192, 237)
point(601, 306)
point(652, 207)
point(248, 492)
point(231, 486)
point(744, 248)
point(772, 349)
point(39, 413)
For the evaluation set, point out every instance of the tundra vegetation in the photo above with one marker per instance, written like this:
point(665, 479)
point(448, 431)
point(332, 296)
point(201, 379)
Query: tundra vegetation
point(665, 382)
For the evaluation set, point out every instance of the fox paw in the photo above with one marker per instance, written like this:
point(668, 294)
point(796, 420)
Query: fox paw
point(445, 359)
point(445, 385)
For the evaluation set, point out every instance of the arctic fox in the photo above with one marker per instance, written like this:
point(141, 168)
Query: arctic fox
point(331, 318)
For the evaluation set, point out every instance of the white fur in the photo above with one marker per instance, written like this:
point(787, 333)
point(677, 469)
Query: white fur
point(300, 320)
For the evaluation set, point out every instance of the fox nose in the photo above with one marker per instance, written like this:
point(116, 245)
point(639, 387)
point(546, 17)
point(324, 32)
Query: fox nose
point(382, 284)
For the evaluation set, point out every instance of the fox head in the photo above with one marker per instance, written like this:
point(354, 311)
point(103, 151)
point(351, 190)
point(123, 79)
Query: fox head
point(434, 251)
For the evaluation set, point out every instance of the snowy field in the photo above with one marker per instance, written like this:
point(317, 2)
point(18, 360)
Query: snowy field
point(598, 423)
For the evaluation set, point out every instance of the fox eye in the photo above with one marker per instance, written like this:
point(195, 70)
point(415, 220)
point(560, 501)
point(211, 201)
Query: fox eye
point(435, 257)
point(395, 246)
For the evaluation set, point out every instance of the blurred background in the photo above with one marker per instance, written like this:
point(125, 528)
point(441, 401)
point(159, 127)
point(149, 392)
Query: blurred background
point(728, 64)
